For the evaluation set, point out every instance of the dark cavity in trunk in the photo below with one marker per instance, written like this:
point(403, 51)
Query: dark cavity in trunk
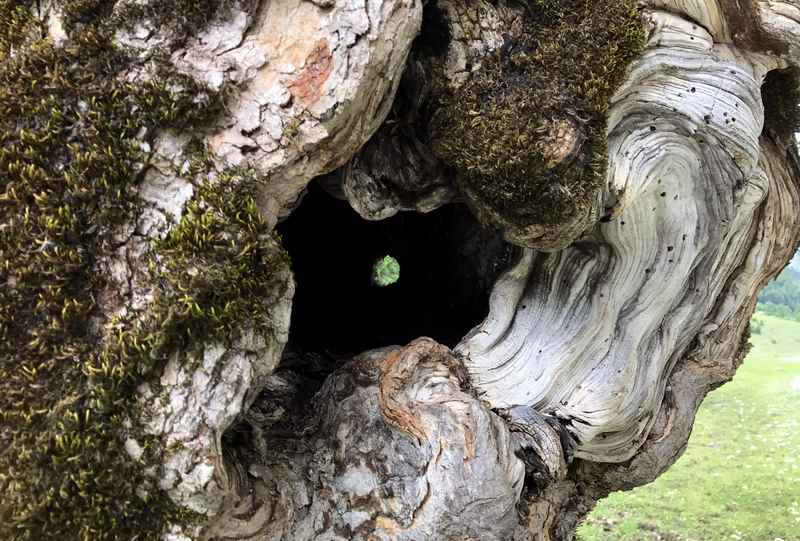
point(448, 264)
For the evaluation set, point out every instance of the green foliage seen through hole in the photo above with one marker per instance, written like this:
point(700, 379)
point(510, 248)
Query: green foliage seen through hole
point(386, 271)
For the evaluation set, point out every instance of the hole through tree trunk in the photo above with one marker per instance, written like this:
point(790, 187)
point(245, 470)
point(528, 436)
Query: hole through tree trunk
point(447, 266)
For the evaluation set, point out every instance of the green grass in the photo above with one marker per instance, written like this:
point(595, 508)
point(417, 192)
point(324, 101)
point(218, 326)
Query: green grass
point(740, 476)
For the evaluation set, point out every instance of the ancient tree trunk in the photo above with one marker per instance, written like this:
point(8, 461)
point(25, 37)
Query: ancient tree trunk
point(584, 199)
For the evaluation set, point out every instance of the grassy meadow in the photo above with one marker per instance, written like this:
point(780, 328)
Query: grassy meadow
point(739, 479)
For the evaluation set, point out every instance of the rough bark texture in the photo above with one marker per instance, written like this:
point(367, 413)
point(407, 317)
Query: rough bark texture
point(620, 310)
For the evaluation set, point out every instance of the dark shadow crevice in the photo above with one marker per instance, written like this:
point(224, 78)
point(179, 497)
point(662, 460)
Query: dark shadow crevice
point(448, 264)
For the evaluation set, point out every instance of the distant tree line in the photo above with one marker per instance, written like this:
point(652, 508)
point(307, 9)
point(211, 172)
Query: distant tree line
point(781, 298)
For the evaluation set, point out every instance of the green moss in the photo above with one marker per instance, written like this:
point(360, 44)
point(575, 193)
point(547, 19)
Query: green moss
point(497, 131)
point(70, 162)
point(219, 265)
point(178, 17)
point(780, 94)
point(78, 13)
point(17, 25)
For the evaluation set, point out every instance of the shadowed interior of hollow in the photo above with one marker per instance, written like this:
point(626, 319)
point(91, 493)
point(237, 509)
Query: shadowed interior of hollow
point(448, 264)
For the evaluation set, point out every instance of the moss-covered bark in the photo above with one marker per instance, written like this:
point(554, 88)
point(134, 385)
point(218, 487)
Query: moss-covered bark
point(526, 133)
point(781, 96)
point(71, 157)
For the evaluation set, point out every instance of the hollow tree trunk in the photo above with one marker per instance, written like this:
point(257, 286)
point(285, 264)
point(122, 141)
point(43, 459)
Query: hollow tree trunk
point(622, 180)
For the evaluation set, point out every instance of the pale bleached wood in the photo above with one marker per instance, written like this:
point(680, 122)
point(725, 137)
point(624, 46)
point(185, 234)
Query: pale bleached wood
point(591, 333)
